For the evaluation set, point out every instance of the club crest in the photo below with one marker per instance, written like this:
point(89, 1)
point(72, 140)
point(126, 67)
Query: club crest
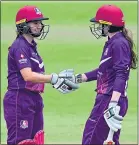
point(106, 51)
point(24, 124)
point(37, 11)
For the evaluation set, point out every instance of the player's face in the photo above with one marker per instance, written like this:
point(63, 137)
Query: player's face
point(105, 29)
point(35, 27)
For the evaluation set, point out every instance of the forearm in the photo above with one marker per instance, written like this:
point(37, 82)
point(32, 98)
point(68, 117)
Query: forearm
point(92, 75)
point(39, 78)
point(115, 96)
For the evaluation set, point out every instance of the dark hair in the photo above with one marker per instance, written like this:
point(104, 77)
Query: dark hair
point(128, 35)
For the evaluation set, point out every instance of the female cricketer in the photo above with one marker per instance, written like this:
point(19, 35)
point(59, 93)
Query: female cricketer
point(112, 76)
point(23, 104)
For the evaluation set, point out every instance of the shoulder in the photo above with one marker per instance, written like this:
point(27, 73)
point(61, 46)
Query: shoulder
point(120, 43)
point(18, 44)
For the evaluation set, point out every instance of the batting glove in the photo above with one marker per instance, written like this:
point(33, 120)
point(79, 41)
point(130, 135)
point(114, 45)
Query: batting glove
point(112, 117)
point(63, 83)
point(66, 74)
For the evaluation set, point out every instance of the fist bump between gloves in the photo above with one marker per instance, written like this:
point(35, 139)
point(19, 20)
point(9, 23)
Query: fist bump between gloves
point(65, 81)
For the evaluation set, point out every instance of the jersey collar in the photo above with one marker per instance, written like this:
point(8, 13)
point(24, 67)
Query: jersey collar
point(34, 44)
point(117, 35)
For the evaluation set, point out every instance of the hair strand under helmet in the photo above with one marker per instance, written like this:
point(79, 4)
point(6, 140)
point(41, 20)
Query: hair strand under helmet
point(28, 14)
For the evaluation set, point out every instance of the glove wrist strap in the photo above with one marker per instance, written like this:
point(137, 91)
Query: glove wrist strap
point(79, 78)
point(113, 101)
point(54, 78)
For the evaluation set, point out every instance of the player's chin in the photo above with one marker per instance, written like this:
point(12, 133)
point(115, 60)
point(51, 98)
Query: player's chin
point(36, 34)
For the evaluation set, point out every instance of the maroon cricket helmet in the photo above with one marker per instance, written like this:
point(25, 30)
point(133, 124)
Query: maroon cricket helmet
point(28, 14)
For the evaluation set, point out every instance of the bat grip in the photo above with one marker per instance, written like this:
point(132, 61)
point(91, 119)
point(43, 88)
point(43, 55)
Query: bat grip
point(110, 135)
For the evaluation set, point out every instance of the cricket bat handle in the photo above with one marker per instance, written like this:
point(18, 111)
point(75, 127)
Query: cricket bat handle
point(109, 140)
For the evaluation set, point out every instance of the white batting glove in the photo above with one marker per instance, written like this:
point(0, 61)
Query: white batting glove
point(63, 81)
point(112, 117)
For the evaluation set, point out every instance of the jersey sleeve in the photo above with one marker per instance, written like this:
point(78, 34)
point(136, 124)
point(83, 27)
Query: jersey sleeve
point(121, 66)
point(91, 75)
point(21, 56)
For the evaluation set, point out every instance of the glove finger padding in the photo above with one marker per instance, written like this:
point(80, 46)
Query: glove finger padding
point(116, 121)
point(114, 124)
point(118, 117)
point(68, 73)
point(111, 124)
point(71, 84)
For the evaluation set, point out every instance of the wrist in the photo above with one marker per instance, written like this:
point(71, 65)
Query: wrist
point(80, 78)
point(113, 104)
point(115, 96)
point(84, 78)
point(113, 101)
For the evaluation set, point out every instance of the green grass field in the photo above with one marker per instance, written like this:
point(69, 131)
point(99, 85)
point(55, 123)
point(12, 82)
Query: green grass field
point(69, 44)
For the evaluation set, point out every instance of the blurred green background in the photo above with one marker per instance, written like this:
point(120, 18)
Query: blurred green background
point(69, 44)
